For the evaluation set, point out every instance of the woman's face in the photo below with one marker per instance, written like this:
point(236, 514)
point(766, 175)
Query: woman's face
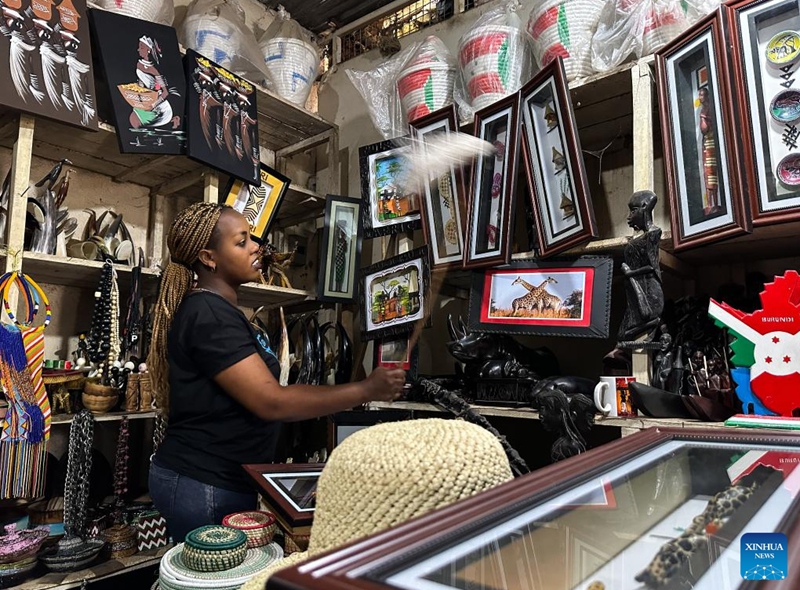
point(144, 50)
point(236, 254)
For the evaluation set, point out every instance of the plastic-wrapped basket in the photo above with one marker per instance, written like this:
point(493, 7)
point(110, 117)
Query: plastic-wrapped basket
point(157, 11)
point(292, 66)
point(493, 59)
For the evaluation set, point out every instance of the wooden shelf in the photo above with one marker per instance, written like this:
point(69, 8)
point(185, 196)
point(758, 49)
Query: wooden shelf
point(299, 204)
point(107, 417)
point(74, 272)
point(105, 569)
point(255, 295)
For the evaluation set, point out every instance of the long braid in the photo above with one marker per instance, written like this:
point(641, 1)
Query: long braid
point(190, 233)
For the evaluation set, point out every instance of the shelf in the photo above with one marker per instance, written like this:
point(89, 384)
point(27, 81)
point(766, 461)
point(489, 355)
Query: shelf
point(255, 295)
point(299, 204)
point(628, 425)
point(74, 272)
point(105, 569)
point(107, 417)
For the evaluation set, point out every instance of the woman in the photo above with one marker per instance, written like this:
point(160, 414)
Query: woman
point(149, 76)
point(218, 379)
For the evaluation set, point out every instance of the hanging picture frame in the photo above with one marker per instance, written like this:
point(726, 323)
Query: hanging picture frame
point(761, 85)
point(490, 208)
point(221, 118)
point(570, 297)
point(394, 294)
point(259, 204)
point(388, 207)
point(340, 256)
point(444, 204)
point(46, 61)
point(697, 125)
point(143, 68)
point(560, 196)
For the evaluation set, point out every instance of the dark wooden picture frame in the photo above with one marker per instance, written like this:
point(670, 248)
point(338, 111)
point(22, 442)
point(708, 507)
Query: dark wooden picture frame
point(568, 297)
point(369, 563)
point(267, 479)
point(381, 165)
point(259, 204)
point(559, 192)
point(343, 424)
point(765, 142)
point(340, 250)
point(702, 160)
point(46, 62)
point(444, 209)
point(143, 69)
point(397, 311)
point(221, 118)
point(492, 198)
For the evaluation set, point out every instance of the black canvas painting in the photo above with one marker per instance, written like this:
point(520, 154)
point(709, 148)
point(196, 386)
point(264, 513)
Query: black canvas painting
point(222, 119)
point(144, 71)
point(46, 60)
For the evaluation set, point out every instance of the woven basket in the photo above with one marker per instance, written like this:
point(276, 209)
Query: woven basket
point(292, 65)
point(99, 404)
point(97, 390)
point(12, 574)
point(564, 28)
point(72, 554)
point(493, 59)
point(295, 543)
point(214, 548)
point(41, 513)
point(175, 574)
point(214, 37)
point(258, 525)
point(120, 541)
point(149, 10)
point(18, 545)
point(425, 88)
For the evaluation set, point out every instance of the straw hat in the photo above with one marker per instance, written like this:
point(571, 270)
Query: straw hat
point(386, 474)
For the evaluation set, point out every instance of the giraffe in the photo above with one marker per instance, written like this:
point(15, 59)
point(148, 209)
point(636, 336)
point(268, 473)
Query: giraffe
point(535, 298)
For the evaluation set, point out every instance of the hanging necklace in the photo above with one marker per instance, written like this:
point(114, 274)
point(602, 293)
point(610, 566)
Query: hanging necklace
point(79, 467)
point(121, 470)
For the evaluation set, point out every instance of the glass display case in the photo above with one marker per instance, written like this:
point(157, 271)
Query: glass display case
point(289, 490)
point(664, 508)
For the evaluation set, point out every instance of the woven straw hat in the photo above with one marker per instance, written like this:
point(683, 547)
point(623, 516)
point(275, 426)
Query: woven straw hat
point(386, 474)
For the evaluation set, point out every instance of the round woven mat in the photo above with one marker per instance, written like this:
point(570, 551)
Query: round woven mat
point(174, 572)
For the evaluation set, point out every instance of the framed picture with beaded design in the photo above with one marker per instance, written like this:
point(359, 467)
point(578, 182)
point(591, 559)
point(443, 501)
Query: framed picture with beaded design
point(259, 204)
point(340, 256)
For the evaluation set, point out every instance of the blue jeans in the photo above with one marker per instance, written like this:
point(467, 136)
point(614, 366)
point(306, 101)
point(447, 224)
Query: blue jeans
point(187, 504)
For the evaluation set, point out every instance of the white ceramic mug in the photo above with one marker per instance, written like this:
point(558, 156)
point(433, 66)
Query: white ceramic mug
point(619, 404)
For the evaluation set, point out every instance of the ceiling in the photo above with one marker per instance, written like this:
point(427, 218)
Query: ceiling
point(315, 15)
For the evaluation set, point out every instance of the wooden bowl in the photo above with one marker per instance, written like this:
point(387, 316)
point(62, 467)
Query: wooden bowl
point(99, 404)
point(97, 390)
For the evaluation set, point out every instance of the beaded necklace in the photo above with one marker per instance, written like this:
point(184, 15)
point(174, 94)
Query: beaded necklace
point(79, 467)
point(121, 470)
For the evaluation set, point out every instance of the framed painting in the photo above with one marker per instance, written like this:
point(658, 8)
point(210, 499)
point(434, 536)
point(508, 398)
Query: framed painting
point(343, 424)
point(444, 208)
point(259, 204)
point(144, 70)
point(394, 294)
point(340, 258)
point(394, 353)
point(560, 197)
point(765, 87)
point(221, 119)
point(46, 61)
point(697, 131)
point(549, 298)
point(490, 209)
point(389, 206)
point(289, 490)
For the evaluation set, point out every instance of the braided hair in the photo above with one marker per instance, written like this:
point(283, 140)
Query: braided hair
point(193, 230)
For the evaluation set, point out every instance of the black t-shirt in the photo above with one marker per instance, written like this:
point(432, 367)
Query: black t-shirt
point(209, 434)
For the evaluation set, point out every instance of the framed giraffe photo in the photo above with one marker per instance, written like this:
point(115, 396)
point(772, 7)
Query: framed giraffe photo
point(340, 256)
point(259, 204)
point(558, 297)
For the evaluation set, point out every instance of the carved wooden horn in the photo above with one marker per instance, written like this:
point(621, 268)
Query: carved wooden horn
point(452, 329)
point(463, 326)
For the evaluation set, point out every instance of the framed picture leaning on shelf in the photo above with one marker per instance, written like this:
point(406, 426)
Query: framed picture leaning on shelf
point(444, 205)
point(767, 91)
point(258, 203)
point(46, 61)
point(700, 153)
point(144, 71)
point(221, 118)
point(394, 294)
point(389, 204)
point(490, 207)
point(549, 298)
point(394, 353)
point(560, 198)
point(340, 257)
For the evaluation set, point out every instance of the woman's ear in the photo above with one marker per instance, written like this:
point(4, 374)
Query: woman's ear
point(206, 258)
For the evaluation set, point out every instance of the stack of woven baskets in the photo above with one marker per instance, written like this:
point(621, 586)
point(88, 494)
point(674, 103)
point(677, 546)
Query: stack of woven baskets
point(216, 556)
point(18, 554)
point(426, 82)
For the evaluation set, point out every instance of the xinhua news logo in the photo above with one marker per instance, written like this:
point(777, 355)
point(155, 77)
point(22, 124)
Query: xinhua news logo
point(764, 556)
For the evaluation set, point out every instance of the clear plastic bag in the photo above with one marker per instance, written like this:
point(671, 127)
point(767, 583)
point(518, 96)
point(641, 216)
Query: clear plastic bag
point(378, 89)
point(217, 30)
point(291, 59)
point(564, 28)
point(425, 83)
point(156, 11)
point(495, 56)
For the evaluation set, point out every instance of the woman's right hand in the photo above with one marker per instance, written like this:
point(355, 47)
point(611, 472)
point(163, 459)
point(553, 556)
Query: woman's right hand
point(384, 385)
